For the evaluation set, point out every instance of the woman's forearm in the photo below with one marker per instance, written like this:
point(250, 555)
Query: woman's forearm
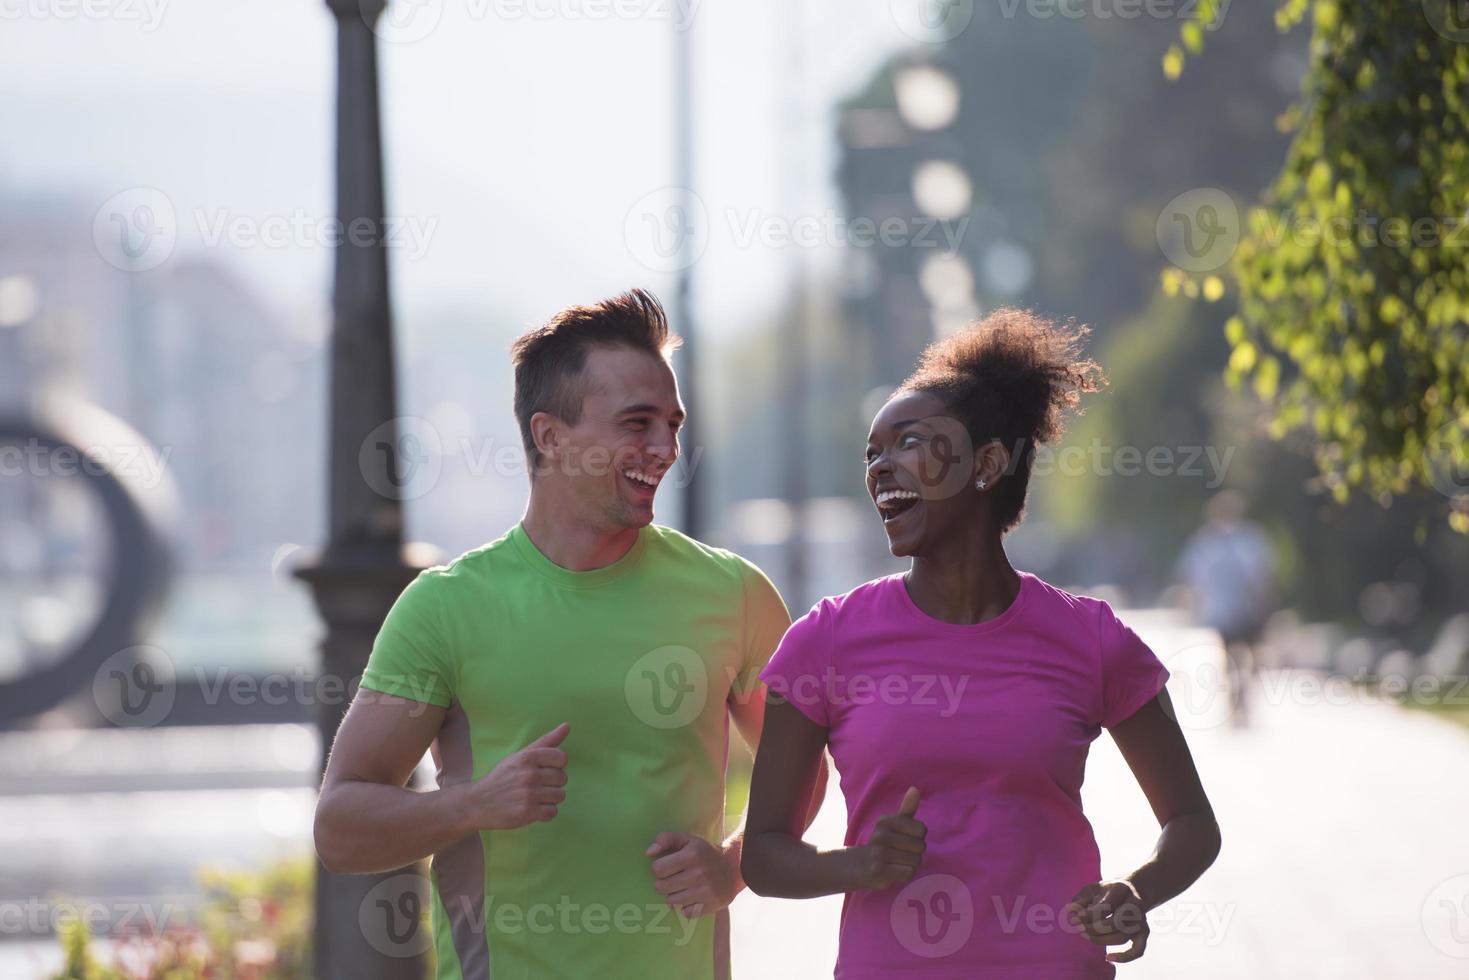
point(1188, 845)
point(363, 827)
point(777, 865)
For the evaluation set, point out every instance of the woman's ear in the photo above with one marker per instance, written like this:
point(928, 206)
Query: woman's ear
point(991, 464)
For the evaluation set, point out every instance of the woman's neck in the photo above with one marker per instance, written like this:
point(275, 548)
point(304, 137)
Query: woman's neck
point(964, 584)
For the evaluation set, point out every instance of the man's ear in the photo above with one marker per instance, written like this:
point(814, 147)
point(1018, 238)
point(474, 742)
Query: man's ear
point(549, 434)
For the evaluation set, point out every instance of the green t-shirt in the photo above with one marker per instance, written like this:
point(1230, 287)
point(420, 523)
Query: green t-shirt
point(640, 658)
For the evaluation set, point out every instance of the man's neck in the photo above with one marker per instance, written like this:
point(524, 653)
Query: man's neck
point(575, 546)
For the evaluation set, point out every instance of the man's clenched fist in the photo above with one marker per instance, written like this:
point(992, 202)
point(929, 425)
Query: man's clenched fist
point(524, 787)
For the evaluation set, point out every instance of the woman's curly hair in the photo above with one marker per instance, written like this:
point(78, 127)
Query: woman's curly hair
point(1011, 376)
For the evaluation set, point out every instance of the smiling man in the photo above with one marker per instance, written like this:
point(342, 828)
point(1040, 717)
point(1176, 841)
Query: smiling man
point(576, 678)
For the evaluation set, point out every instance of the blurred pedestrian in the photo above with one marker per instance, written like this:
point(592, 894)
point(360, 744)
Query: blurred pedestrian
point(1228, 569)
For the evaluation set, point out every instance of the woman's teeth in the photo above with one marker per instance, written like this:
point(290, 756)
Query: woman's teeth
point(893, 496)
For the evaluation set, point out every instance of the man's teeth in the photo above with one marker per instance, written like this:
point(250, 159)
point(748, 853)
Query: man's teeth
point(887, 496)
point(635, 475)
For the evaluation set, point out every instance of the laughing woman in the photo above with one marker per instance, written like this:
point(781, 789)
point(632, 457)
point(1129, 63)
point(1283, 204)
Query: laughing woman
point(959, 698)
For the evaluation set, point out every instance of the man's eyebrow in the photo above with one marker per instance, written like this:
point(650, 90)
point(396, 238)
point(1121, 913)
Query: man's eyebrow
point(646, 409)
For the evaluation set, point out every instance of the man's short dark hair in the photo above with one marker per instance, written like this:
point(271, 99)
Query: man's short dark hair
point(549, 359)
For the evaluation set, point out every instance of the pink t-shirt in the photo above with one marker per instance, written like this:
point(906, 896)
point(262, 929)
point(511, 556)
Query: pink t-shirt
point(992, 722)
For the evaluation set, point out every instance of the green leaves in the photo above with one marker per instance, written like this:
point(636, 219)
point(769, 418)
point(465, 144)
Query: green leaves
point(1353, 277)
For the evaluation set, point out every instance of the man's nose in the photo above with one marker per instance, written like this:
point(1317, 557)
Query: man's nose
point(665, 444)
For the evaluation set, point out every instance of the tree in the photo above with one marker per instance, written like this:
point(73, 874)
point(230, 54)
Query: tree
point(1352, 275)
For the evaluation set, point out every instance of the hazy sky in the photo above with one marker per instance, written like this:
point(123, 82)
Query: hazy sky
point(521, 135)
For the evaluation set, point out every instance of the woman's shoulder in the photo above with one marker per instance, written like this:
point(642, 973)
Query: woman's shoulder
point(860, 599)
point(1058, 602)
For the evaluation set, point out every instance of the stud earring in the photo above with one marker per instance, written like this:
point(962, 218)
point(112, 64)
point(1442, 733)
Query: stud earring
point(980, 484)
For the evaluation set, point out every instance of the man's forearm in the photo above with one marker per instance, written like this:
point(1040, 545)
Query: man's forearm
point(1188, 845)
point(364, 827)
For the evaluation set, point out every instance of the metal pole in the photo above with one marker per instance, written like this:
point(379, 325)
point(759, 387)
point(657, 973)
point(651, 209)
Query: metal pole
point(359, 574)
point(683, 304)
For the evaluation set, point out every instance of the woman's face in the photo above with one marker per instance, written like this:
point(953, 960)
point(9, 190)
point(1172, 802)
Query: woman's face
point(920, 473)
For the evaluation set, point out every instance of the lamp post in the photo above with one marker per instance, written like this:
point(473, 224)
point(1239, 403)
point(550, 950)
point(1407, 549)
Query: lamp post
point(364, 566)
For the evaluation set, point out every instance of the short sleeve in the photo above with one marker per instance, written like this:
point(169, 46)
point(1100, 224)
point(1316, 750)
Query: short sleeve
point(765, 622)
point(1132, 675)
point(799, 669)
point(410, 657)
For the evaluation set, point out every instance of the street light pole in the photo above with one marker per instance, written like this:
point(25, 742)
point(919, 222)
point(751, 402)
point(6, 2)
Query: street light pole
point(363, 567)
point(683, 303)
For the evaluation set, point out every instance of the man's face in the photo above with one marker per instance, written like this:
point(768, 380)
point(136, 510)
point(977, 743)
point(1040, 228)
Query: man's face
point(626, 440)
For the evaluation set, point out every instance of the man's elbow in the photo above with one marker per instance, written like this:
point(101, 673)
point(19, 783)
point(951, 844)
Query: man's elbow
point(327, 840)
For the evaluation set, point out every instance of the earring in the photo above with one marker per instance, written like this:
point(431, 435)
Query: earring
point(980, 484)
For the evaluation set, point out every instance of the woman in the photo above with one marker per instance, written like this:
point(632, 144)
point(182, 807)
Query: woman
point(958, 700)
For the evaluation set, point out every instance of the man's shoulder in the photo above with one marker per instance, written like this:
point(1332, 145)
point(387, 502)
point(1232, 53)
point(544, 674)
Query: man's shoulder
point(488, 558)
point(671, 544)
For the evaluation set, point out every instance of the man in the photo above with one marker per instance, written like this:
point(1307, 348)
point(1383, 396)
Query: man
point(1229, 570)
point(576, 678)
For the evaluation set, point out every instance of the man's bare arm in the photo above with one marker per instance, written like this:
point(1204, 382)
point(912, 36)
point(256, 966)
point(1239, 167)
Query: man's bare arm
point(366, 818)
